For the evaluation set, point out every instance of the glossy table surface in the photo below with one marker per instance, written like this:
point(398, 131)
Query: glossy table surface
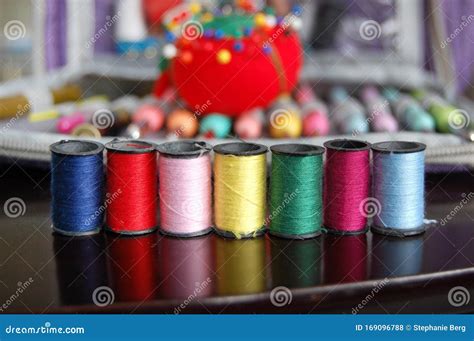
point(366, 273)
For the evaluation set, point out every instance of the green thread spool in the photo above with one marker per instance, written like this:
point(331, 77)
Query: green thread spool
point(438, 108)
point(296, 191)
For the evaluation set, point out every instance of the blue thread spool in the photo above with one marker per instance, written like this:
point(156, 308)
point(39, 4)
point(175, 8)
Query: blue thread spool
point(77, 184)
point(398, 188)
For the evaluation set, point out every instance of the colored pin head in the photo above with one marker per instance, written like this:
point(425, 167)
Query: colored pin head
point(215, 126)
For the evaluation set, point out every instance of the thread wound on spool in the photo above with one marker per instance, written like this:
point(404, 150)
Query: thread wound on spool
point(184, 169)
point(77, 184)
point(346, 185)
point(296, 191)
point(239, 189)
point(398, 187)
point(131, 187)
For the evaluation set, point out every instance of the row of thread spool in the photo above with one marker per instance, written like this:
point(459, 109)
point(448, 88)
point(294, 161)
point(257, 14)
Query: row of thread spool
point(307, 194)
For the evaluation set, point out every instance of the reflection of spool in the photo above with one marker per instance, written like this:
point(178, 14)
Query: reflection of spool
point(296, 264)
point(345, 259)
point(80, 266)
point(186, 267)
point(240, 266)
point(132, 266)
point(396, 257)
point(240, 185)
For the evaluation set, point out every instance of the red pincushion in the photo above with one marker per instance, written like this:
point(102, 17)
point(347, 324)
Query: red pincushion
point(155, 9)
point(249, 80)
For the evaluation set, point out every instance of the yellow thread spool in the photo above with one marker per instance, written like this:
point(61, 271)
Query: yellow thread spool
point(240, 184)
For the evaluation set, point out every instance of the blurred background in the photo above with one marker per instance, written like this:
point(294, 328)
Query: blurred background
point(186, 60)
point(426, 33)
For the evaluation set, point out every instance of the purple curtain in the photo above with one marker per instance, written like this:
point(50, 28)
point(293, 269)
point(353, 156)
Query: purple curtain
point(104, 13)
point(459, 21)
point(55, 34)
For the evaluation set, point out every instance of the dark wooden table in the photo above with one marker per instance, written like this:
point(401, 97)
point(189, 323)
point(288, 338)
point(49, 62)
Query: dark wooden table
point(153, 273)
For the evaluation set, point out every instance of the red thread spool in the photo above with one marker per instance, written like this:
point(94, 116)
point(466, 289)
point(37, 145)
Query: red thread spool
point(346, 186)
point(131, 187)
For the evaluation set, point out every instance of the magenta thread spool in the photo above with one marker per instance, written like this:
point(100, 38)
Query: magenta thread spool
point(346, 186)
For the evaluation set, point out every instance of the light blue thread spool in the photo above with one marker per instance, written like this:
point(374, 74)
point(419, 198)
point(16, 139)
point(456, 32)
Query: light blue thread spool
point(398, 187)
point(347, 113)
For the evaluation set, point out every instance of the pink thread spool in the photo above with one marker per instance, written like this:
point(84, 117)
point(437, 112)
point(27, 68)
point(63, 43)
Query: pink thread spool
point(379, 114)
point(66, 124)
point(346, 186)
point(314, 112)
point(184, 169)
